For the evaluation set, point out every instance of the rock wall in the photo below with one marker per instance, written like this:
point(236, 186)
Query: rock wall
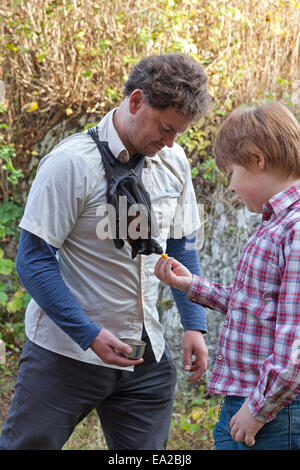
point(226, 229)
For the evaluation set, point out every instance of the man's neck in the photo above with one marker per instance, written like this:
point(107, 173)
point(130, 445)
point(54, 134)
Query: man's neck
point(119, 118)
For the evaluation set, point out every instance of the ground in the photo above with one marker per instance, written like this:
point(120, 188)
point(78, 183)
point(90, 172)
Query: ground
point(194, 416)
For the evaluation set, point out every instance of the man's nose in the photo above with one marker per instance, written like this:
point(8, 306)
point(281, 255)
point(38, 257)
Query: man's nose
point(169, 140)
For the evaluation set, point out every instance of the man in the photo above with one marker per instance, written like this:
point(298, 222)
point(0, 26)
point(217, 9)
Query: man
point(86, 293)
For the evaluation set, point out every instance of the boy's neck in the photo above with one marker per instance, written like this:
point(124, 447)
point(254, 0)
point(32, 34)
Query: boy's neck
point(274, 183)
point(280, 184)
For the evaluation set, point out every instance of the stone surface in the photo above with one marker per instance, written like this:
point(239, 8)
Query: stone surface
point(227, 228)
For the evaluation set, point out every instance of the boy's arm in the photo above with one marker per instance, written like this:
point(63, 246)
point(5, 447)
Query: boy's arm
point(279, 381)
point(198, 289)
point(209, 294)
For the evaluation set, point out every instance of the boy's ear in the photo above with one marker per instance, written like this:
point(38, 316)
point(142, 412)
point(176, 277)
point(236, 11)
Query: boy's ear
point(260, 160)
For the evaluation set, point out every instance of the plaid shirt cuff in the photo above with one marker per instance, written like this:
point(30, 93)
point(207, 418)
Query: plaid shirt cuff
point(263, 409)
point(199, 290)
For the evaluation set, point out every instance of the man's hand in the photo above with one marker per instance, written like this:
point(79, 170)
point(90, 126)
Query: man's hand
point(173, 273)
point(244, 426)
point(110, 350)
point(193, 344)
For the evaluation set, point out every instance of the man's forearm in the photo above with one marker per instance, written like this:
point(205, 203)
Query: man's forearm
point(193, 316)
point(38, 270)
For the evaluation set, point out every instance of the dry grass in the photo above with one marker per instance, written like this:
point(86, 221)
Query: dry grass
point(72, 56)
point(87, 435)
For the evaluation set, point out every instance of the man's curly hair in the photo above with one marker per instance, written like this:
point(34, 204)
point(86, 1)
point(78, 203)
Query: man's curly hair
point(171, 80)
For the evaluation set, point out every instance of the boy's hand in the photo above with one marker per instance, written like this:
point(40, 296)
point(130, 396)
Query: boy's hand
point(244, 426)
point(173, 273)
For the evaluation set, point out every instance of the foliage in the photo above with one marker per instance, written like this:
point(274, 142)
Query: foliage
point(60, 63)
point(210, 170)
point(13, 298)
point(13, 301)
point(63, 59)
point(10, 213)
point(9, 175)
point(194, 417)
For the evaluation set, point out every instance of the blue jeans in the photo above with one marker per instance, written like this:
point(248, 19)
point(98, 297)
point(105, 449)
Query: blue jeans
point(282, 433)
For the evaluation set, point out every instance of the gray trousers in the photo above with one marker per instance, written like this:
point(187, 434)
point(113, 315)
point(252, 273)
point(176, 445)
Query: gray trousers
point(54, 393)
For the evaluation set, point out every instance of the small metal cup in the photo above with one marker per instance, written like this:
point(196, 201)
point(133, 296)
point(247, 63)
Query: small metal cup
point(138, 348)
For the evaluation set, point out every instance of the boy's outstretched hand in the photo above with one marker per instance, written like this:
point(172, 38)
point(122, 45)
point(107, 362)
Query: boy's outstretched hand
point(173, 273)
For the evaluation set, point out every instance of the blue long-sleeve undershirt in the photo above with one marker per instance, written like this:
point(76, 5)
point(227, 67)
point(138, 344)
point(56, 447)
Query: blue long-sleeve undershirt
point(39, 272)
point(184, 250)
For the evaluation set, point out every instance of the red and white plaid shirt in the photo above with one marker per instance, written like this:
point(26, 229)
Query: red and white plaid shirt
point(258, 347)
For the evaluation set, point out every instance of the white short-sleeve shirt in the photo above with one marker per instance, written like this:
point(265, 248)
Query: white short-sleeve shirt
point(65, 207)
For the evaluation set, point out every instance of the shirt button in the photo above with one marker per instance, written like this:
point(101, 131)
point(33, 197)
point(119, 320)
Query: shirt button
point(123, 157)
point(226, 322)
point(220, 357)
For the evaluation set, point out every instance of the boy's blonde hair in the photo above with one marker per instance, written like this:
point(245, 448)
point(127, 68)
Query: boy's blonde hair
point(270, 129)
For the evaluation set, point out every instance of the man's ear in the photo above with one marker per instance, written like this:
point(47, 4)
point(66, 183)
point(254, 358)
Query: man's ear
point(136, 100)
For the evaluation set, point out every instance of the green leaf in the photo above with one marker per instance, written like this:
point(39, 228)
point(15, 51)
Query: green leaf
point(16, 304)
point(113, 94)
point(3, 299)
point(6, 266)
point(87, 73)
point(194, 172)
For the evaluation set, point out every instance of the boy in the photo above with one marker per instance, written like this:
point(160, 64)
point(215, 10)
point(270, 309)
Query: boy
point(257, 365)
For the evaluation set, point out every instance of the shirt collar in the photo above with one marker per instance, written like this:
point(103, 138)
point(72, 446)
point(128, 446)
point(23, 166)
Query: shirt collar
point(115, 143)
point(281, 201)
